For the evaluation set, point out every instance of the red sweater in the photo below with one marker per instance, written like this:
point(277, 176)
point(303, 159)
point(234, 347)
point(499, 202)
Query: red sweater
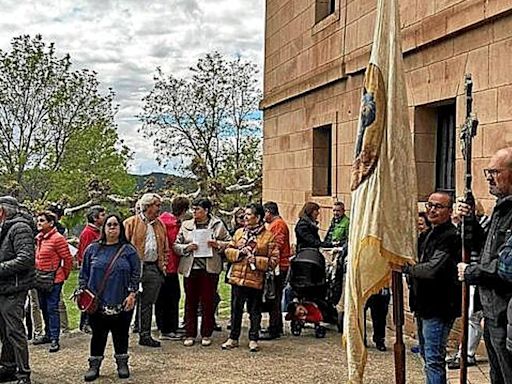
point(89, 234)
point(52, 253)
point(281, 233)
point(172, 226)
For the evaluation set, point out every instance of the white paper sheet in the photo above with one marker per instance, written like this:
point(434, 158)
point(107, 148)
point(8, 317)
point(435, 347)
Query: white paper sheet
point(201, 237)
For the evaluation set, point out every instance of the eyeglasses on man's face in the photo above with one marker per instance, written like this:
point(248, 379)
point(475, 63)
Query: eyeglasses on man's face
point(492, 172)
point(430, 205)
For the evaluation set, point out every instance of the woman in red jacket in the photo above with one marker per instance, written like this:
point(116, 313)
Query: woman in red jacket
point(52, 254)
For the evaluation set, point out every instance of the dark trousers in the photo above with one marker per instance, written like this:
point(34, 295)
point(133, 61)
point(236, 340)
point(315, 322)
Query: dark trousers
point(167, 306)
point(200, 287)
point(500, 359)
point(49, 304)
point(118, 325)
point(378, 305)
point(275, 324)
point(151, 280)
point(240, 296)
point(12, 333)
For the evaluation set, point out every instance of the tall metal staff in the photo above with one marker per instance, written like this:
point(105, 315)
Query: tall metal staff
point(468, 131)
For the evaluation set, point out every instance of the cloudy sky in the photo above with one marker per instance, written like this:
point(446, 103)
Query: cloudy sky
point(125, 40)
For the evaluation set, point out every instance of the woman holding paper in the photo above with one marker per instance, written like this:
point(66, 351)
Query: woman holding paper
point(200, 244)
point(252, 252)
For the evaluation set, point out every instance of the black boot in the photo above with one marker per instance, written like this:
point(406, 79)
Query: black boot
point(122, 366)
point(94, 368)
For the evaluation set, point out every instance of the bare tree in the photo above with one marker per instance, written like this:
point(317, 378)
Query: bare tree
point(208, 123)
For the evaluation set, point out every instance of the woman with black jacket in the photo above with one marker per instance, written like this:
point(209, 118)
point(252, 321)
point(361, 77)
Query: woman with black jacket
point(306, 230)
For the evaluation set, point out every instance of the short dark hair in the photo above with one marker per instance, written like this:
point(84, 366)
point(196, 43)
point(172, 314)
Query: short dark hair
point(448, 194)
point(57, 209)
point(257, 209)
point(271, 207)
point(308, 209)
point(179, 205)
point(204, 203)
point(122, 233)
point(339, 203)
point(49, 216)
point(93, 213)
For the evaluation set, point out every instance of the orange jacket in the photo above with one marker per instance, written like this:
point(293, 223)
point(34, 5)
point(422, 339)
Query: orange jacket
point(281, 233)
point(52, 253)
point(266, 254)
point(136, 228)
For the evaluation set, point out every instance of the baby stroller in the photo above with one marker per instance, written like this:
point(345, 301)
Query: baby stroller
point(309, 281)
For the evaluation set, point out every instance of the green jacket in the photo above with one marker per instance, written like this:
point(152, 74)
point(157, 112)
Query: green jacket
point(338, 230)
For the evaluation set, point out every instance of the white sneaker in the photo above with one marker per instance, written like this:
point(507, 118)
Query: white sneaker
point(229, 344)
point(253, 346)
point(189, 342)
point(206, 341)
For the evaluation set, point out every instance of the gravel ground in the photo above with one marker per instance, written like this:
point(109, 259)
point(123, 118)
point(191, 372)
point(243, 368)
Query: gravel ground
point(290, 359)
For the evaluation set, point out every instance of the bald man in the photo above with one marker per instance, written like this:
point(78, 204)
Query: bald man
point(495, 293)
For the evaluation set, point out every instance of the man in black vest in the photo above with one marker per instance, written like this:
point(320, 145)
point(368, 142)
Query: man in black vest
point(495, 293)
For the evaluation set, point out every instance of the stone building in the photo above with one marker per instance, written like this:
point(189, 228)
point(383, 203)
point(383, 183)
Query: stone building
point(315, 55)
point(316, 52)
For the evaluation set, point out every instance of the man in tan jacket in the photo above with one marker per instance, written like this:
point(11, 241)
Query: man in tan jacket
point(147, 233)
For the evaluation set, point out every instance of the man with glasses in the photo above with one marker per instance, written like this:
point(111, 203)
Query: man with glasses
point(435, 292)
point(148, 235)
point(495, 293)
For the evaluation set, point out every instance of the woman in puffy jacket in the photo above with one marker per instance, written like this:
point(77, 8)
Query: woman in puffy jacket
point(252, 252)
point(52, 254)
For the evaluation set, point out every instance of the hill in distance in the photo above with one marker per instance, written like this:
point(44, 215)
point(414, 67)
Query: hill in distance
point(179, 183)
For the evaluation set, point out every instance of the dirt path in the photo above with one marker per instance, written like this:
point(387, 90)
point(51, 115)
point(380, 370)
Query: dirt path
point(303, 359)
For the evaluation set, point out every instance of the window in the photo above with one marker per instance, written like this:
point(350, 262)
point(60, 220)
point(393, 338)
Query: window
point(322, 161)
point(324, 8)
point(435, 146)
point(445, 153)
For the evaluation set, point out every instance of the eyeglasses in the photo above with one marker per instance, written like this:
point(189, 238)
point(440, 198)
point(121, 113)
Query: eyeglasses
point(112, 225)
point(492, 172)
point(430, 205)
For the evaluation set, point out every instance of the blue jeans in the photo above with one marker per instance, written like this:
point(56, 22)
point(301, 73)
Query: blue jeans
point(49, 303)
point(433, 335)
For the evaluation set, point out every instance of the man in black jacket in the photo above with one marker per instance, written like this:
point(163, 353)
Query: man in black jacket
point(435, 291)
point(495, 293)
point(16, 277)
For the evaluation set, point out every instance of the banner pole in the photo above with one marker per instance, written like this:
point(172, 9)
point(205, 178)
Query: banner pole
point(398, 319)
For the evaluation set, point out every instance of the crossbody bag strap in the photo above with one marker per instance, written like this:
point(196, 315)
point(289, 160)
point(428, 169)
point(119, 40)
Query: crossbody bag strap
point(108, 271)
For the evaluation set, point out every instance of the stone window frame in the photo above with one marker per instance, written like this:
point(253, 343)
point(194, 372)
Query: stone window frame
point(328, 20)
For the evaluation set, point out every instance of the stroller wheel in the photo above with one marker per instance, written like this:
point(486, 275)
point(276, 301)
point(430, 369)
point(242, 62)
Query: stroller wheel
point(296, 328)
point(320, 332)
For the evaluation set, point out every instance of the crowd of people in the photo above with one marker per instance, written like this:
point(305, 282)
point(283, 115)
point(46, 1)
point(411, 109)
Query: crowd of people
point(130, 270)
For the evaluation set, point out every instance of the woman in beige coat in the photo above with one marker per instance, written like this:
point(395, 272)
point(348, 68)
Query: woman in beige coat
point(201, 274)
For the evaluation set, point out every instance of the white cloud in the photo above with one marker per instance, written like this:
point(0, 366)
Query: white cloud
point(125, 40)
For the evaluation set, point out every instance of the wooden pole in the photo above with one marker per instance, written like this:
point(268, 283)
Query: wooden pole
point(398, 319)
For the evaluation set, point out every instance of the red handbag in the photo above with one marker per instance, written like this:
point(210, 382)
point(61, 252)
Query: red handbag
point(86, 300)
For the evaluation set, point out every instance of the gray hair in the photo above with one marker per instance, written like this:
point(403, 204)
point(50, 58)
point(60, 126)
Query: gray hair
point(9, 205)
point(146, 200)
